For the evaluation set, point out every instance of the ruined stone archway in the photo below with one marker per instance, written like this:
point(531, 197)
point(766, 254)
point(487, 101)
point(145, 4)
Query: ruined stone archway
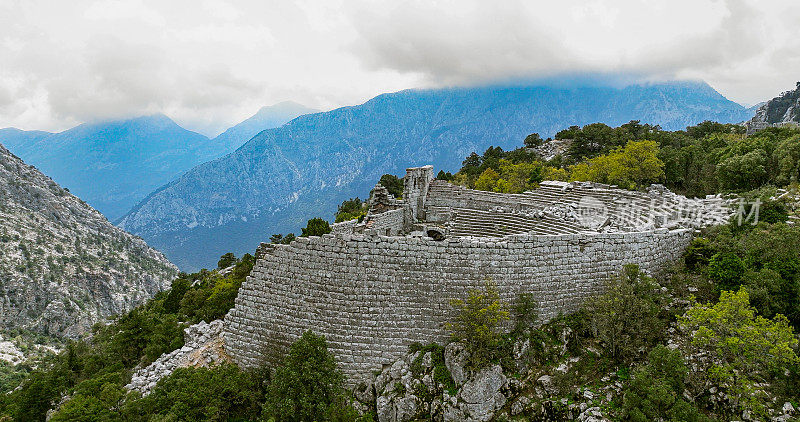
point(435, 234)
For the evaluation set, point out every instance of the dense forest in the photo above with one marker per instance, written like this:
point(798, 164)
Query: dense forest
point(705, 159)
point(713, 338)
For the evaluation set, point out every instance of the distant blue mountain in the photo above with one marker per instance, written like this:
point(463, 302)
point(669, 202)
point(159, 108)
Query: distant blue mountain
point(21, 142)
point(267, 117)
point(284, 176)
point(114, 165)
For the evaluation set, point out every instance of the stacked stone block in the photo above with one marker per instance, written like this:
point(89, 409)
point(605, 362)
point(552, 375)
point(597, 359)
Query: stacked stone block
point(386, 223)
point(372, 296)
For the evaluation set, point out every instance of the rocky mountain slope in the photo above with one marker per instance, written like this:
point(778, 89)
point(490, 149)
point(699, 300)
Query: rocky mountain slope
point(281, 177)
point(779, 111)
point(63, 266)
point(267, 117)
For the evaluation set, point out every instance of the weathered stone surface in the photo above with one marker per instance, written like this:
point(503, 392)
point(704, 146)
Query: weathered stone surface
point(406, 408)
point(592, 414)
point(481, 395)
point(9, 352)
point(455, 359)
point(397, 409)
point(385, 409)
point(453, 414)
point(546, 381)
point(520, 405)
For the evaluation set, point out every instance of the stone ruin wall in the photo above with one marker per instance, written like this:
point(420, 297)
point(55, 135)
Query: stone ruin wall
point(374, 287)
point(372, 296)
point(387, 223)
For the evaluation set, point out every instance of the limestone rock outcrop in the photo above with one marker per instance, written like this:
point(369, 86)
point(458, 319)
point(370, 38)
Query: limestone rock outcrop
point(9, 352)
point(203, 347)
point(411, 389)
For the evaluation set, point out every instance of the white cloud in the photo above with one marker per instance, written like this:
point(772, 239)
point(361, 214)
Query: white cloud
point(211, 63)
point(113, 10)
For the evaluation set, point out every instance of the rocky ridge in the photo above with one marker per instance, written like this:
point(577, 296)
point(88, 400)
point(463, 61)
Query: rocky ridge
point(63, 266)
point(113, 165)
point(552, 148)
point(267, 117)
point(783, 110)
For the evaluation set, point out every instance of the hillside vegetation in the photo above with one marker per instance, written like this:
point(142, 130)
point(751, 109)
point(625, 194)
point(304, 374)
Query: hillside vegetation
point(713, 338)
point(705, 159)
point(685, 345)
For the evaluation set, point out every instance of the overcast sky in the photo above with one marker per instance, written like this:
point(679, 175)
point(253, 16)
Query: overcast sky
point(211, 63)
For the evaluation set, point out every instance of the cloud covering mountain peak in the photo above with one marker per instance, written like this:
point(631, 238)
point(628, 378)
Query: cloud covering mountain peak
point(210, 63)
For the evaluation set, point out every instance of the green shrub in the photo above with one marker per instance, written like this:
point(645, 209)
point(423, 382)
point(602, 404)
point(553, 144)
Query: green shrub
point(773, 212)
point(221, 393)
point(11, 376)
point(393, 184)
point(477, 323)
point(744, 172)
point(625, 317)
point(635, 165)
point(281, 239)
point(308, 387)
point(316, 227)
point(441, 375)
point(179, 288)
point(745, 349)
point(446, 176)
point(726, 269)
point(226, 260)
point(655, 391)
point(165, 336)
point(699, 253)
point(36, 396)
point(351, 209)
point(526, 312)
point(533, 140)
point(750, 258)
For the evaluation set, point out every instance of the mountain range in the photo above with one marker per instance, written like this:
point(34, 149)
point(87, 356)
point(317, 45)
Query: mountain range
point(114, 165)
point(305, 168)
point(267, 117)
point(63, 266)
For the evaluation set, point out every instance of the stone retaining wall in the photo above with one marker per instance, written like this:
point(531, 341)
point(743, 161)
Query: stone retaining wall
point(387, 223)
point(343, 227)
point(372, 296)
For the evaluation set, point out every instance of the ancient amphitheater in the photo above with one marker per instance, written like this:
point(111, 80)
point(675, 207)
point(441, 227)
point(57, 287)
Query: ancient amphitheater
point(373, 287)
